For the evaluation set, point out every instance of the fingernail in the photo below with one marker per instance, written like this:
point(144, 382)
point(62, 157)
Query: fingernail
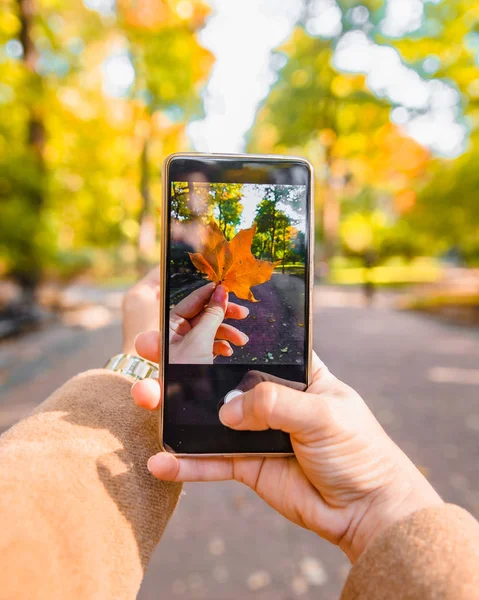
point(245, 338)
point(152, 462)
point(219, 295)
point(231, 414)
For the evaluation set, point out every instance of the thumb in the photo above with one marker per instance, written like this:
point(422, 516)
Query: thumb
point(273, 406)
point(213, 315)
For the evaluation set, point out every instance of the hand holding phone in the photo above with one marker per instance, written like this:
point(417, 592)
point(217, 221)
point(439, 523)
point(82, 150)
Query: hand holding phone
point(347, 481)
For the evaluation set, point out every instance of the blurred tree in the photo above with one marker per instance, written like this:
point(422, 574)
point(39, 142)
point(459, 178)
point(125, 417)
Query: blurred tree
point(105, 111)
point(445, 213)
point(23, 175)
point(166, 29)
point(329, 117)
point(41, 44)
point(333, 118)
point(180, 207)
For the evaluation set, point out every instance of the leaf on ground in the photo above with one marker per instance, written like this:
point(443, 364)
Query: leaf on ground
point(231, 264)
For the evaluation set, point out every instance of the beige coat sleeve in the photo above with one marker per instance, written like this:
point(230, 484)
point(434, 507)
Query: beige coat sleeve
point(431, 555)
point(80, 514)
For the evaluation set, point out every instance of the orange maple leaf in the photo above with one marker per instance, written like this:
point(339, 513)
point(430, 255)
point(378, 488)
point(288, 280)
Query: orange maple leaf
point(231, 263)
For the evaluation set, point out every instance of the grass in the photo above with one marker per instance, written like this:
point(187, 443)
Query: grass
point(444, 301)
point(119, 281)
point(387, 275)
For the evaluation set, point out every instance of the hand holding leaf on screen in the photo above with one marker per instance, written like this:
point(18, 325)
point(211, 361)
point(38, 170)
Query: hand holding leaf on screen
point(231, 264)
point(197, 332)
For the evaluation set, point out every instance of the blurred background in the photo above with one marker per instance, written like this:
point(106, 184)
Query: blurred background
point(381, 95)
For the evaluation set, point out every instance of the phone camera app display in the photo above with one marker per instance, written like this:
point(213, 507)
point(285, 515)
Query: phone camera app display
point(237, 295)
point(241, 244)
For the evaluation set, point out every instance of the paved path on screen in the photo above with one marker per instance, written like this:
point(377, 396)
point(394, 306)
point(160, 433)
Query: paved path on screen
point(275, 324)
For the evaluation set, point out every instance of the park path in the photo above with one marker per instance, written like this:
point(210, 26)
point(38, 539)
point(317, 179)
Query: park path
point(418, 375)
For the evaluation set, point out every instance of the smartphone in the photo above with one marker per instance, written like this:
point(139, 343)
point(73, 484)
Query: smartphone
point(245, 222)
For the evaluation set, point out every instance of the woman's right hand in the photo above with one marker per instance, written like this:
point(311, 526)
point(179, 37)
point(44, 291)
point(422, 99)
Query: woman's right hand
point(347, 481)
point(197, 332)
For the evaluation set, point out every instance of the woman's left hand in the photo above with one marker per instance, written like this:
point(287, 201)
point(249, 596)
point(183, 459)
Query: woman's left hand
point(141, 309)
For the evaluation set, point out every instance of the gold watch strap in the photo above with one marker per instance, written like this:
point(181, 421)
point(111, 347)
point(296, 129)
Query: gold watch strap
point(132, 366)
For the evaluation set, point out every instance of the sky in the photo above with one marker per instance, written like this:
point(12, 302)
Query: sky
point(253, 195)
point(243, 33)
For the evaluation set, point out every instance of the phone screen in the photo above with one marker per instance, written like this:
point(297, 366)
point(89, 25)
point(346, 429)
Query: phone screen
point(243, 224)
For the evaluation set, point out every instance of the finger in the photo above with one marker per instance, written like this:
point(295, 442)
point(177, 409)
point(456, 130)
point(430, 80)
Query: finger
point(168, 467)
point(231, 334)
point(233, 311)
point(252, 378)
point(150, 280)
point(236, 311)
point(273, 406)
point(190, 306)
point(147, 345)
point(152, 277)
point(317, 363)
point(147, 393)
point(320, 370)
point(211, 318)
point(222, 348)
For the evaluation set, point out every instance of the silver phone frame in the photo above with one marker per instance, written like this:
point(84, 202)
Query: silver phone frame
point(163, 255)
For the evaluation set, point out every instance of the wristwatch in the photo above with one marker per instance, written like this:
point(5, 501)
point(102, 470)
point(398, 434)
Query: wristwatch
point(134, 367)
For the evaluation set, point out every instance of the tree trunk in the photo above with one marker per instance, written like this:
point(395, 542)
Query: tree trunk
point(331, 214)
point(221, 220)
point(331, 220)
point(176, 207)
point(147, 233)
point(29, 278)
point(273, 232)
